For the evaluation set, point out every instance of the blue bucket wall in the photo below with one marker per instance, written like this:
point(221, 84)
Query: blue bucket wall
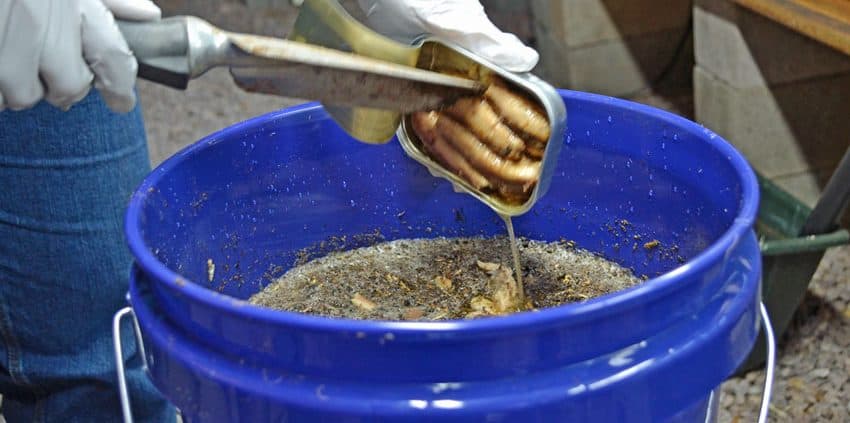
point(255, 197)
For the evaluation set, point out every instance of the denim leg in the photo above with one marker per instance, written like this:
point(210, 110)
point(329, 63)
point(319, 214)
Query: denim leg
point(66, 178)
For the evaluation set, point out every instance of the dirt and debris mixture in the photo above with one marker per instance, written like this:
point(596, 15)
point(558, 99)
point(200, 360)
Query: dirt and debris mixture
point(436, 279)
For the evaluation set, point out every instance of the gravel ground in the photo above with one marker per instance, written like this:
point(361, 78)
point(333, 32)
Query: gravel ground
point(813, 368)
point(813, 365)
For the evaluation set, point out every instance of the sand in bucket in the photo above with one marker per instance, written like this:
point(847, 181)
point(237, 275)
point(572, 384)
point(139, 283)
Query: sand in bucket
point(443, 278)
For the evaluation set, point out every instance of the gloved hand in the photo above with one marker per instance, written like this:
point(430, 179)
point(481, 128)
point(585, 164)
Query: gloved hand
point(55, 49)
point(460, 21)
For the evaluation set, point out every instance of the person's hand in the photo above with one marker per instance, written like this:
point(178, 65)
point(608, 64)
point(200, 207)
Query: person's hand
point(55, 49)
point(460, 21)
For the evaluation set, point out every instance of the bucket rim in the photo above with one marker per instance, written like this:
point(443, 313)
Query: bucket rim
point(592, 309)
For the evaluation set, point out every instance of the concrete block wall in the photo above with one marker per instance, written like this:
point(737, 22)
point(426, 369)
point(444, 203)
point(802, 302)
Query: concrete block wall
point(614, 47)
point(512, 16)
point(783, 99)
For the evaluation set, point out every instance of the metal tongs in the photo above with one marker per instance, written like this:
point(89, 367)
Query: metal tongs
point(175, 50)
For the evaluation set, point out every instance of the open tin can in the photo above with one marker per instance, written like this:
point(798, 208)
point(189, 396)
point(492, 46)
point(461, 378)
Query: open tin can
point(327, 23)
point(441, 56)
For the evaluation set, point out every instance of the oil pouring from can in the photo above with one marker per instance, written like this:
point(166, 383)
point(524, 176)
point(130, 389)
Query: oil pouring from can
point(508, 135)
point(500, 147)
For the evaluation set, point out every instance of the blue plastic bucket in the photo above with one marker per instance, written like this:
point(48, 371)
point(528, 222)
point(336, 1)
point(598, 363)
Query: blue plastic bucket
point(254, 196)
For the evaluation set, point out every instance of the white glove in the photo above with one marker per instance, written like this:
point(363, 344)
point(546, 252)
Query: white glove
point(55, 49)
point(460, 21)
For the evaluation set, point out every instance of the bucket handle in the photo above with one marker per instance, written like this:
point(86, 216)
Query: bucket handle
point(119, 357)
point(770, 365)
point(128, 311)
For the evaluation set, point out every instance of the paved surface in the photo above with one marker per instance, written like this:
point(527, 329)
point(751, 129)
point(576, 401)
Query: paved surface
point(813, 367)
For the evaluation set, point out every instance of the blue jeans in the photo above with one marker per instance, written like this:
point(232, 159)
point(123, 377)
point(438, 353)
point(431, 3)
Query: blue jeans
point(65, 179)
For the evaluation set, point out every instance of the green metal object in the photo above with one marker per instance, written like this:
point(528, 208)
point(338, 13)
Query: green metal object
point(788, 260)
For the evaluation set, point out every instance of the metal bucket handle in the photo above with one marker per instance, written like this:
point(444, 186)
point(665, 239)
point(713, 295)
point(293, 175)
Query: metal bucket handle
point(770, 364)
point(128, 311)
point(119, 357)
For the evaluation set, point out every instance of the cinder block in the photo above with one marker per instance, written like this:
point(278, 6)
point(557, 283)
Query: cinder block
point(624, 66)
point(554, 60)
point(746, 49)
point(614, 47)
point(784, 130)
point(511, 16)
point(583, 22)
